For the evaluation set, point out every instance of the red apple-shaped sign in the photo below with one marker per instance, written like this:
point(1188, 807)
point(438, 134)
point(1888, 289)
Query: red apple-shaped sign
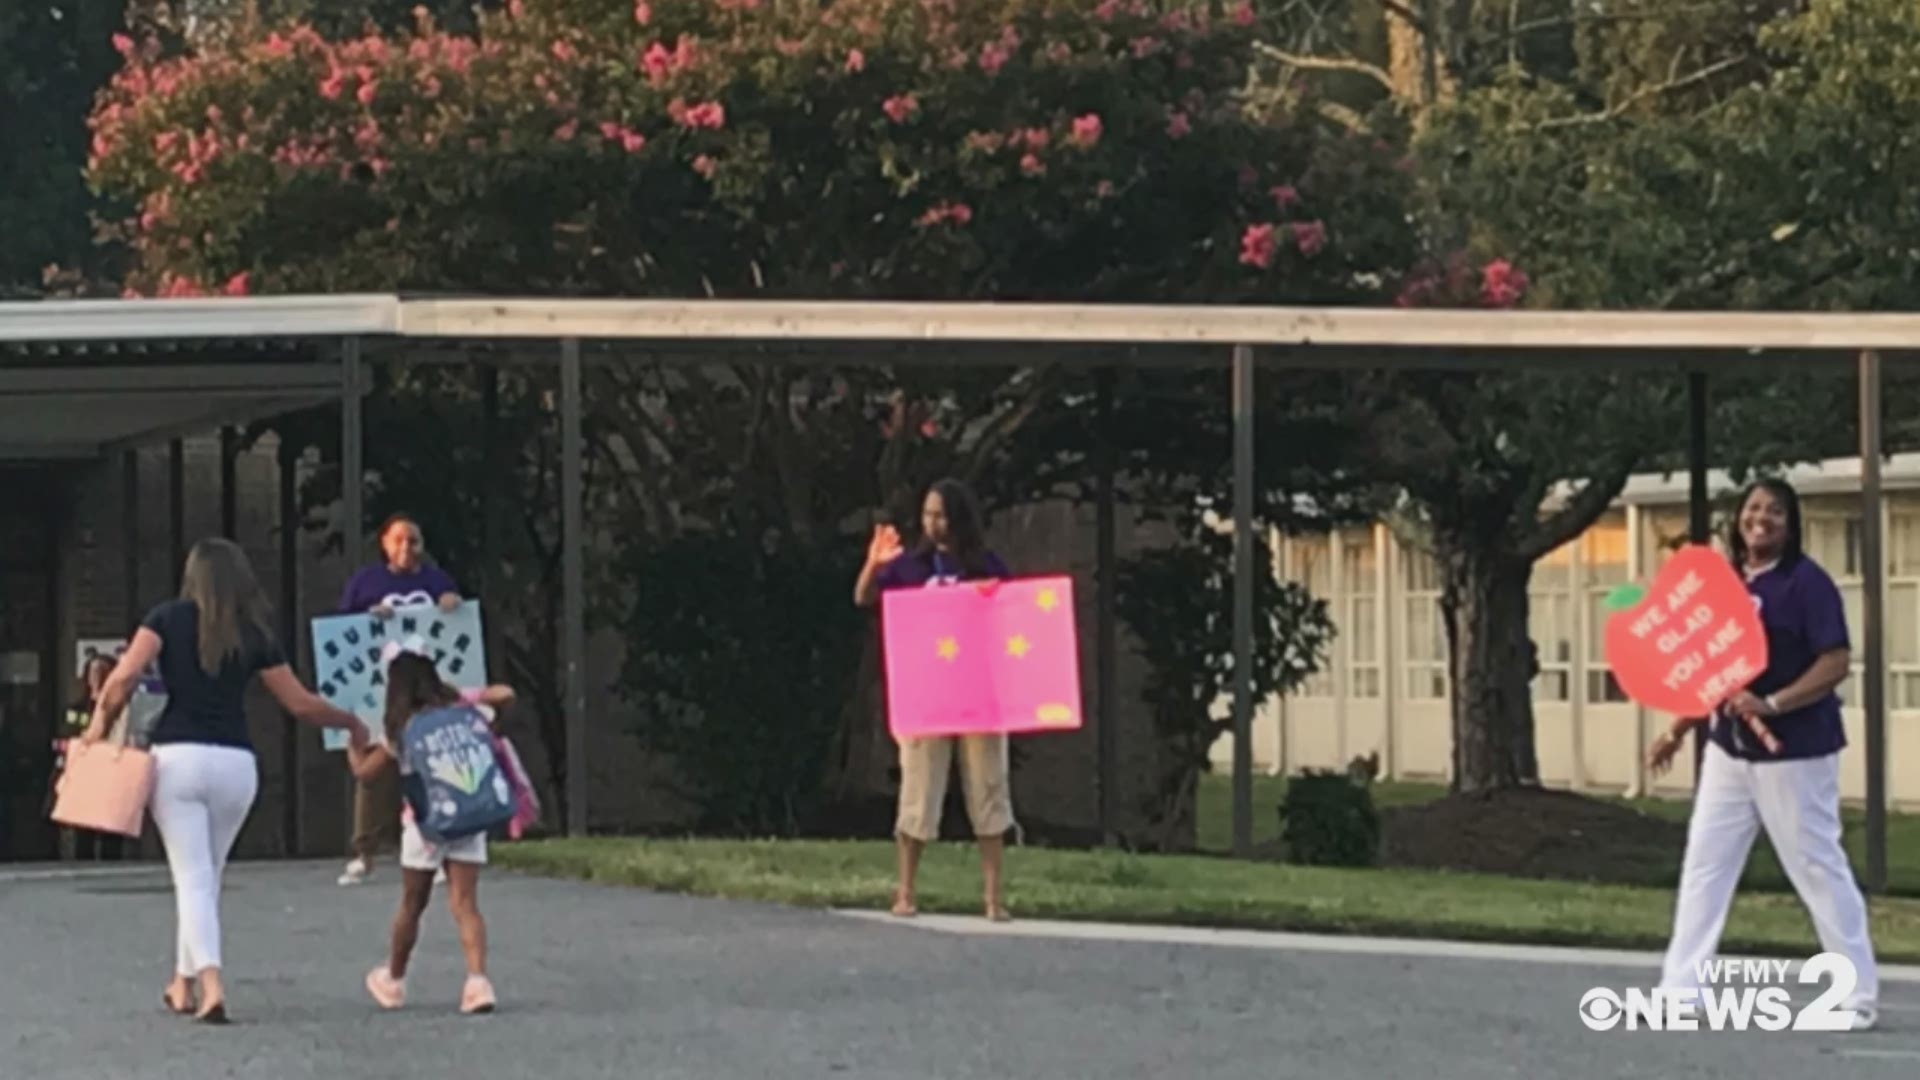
point(1689, 641)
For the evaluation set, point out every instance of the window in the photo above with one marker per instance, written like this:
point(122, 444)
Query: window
point(1425, 644)
point(1313, 569)
point(1834, 543)
point(1603, 558)
point(1359, 567)
point(1550, 624)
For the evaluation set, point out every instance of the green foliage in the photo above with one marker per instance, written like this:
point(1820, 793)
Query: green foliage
point(1327, 819)
point(53, 55)
point(1178, 603)
point(743, 655)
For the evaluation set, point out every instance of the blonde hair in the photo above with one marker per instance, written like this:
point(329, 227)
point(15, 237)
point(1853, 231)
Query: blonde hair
point(219, 581)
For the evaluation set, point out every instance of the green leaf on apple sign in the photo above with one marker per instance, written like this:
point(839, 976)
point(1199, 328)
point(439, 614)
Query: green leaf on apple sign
point(1625, 596)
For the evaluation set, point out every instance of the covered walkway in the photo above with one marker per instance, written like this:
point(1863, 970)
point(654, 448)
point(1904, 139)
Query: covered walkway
point(77, 389)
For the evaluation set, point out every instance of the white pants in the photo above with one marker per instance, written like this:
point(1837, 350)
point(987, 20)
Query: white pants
point(201, 796)
point(1798, 802)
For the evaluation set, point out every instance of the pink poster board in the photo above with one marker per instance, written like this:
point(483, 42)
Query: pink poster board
point(962, 660)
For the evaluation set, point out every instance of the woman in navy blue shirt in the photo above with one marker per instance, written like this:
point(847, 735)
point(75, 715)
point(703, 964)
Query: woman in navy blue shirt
point(210, 643)
point(951, 550)
point(1792, 789)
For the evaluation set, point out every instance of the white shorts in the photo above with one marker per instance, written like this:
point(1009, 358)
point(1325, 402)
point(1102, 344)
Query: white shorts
point(417, 854)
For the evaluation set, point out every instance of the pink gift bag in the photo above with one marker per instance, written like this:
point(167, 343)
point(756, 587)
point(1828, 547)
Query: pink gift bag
point(104, 787)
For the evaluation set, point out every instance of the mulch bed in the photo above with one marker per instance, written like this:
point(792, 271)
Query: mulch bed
point(1536, 833)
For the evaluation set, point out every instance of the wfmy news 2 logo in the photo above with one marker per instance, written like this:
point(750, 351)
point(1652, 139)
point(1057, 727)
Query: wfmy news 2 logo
point(1734, 995)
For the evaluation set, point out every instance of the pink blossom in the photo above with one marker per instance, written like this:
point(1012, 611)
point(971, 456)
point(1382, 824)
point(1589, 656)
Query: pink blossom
point(929, 428)
point(1059, 52)
point(123, 45)
point(1108, 10)
point(1034, 138)
point(705, 166)
point(643, 12)
point(430, 87)
point(564, 52)
point(333, 85)
point(1310, 237)
point(632, 141)
point(1103, 190)
point(239, 284)
point(1031, 165)
point(278, 46)
point(1144, 47)
point(565, 132)
point(1243, 15)
point(517, 8)
point(1178, 126)
point(609, 130)
point(900, 107)
point(1086, 130)
point(1258, 246)
point(367, 92)
point(657, 62)
point(1501, 284)
point(993, 57)
point(1286, 195)
point(707, 114)
point(856, 61)
point(958, 213)
point(686, 54)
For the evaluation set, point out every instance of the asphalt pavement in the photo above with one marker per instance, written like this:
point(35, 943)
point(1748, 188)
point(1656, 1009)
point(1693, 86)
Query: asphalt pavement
point(598, 982)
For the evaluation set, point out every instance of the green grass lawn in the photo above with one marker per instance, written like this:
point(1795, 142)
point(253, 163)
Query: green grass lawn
point(1194, 890)
point(1215, 829)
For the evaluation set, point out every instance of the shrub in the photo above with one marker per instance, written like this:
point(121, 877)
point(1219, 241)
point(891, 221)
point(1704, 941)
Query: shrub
point(1327, 819)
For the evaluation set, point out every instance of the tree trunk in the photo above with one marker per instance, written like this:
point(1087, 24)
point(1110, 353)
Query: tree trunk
point(1485, 605)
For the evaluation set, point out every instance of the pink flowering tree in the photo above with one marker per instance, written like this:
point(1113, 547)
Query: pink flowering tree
point(952, 149)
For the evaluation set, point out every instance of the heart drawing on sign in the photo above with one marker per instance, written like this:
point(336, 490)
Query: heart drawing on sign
point(1690, 640)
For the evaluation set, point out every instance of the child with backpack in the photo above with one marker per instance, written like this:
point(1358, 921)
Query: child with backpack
point(456, 787)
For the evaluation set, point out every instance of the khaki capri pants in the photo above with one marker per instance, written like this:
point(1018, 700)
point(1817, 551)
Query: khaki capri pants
point(924, 765)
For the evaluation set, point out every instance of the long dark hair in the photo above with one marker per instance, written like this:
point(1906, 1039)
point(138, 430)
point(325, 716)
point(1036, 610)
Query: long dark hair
point(413, 686)
point(1792, 551)
point(966, 534)
point(233, 611)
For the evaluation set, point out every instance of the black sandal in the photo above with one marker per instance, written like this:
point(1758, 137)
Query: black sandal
point(217, 1014)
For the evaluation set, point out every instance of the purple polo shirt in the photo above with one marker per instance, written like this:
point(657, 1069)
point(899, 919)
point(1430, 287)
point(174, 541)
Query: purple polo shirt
point(374, 585)
point(1803, 615)
point(920, 568)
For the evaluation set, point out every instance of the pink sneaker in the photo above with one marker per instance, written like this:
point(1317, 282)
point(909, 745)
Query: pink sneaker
point(390, 992)
point(477, 997)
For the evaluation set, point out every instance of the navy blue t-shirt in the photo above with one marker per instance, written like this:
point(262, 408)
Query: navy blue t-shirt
point(204, 708)
point(917, 569)
point(1803, 615)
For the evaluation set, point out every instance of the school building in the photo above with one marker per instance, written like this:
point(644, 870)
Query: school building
point(1385, 688)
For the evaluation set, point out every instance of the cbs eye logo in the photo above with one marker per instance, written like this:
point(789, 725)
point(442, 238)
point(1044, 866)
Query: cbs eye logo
point(1600, 1009)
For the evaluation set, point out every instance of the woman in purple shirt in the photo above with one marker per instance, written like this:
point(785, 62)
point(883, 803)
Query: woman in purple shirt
point(951, 550)
point(1791, 789)
point(405, 579)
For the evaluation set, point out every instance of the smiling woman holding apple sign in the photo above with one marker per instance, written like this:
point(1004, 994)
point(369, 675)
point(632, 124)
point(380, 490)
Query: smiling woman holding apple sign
point(951, 550)
point(1773, 761)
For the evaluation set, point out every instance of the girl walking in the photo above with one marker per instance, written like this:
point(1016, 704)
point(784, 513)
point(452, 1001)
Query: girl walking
point(414, 687)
